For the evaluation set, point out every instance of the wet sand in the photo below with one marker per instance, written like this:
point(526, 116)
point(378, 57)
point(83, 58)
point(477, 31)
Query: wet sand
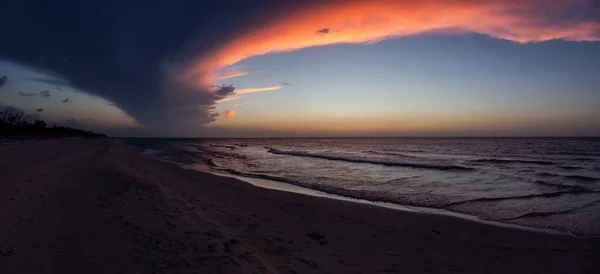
point(90, 206)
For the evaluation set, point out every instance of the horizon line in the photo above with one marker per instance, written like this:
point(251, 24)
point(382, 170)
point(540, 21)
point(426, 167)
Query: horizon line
point(377, 137)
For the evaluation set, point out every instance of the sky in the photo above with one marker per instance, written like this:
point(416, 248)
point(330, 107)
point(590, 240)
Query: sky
point(305, 68)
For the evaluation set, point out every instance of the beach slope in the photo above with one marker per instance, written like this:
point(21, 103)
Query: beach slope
point(93, 206)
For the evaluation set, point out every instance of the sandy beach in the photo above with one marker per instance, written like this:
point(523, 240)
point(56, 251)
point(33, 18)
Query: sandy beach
point(93, 206)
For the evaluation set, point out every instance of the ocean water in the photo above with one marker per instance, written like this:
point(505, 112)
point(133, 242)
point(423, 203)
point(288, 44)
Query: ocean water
point(547, 183)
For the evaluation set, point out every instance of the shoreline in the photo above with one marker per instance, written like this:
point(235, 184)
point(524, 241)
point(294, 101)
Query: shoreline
point(287, 187)
point(94, 206)
point(533, 207)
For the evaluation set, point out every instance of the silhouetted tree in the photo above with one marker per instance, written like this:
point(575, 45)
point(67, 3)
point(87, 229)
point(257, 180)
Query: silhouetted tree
point(13, 115)
point(14, 125)
point(40, 124)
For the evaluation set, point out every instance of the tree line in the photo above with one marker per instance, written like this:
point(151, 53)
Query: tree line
point(15, 124)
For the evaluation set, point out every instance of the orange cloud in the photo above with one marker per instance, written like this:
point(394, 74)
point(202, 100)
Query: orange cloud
point(331, 22)
point(229, 113)
point(253, 90)
point(227, 99)
point(232, 75)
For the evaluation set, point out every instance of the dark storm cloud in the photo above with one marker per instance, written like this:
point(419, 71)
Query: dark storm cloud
point(126, 51)
point(45, 93)
point(50, 81)
point(3, 80)
point(23, 94)
point(224, 90)
point(323, 31)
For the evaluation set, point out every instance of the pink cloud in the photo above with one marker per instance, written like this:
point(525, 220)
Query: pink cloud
point(229, 72)
point(253, 90)
point(232, 75)
point(334, 22)
point(229, 113)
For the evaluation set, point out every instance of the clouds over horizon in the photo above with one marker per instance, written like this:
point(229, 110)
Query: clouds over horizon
point(162, 72)
point(333, 22)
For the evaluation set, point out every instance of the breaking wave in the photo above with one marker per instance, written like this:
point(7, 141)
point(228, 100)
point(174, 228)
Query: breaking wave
point(368, 161)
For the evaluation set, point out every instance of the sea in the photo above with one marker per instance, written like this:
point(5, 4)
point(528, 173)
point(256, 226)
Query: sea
point(546, 183)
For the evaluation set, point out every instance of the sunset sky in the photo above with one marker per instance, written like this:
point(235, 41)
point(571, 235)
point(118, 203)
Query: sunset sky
point(307, 68)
